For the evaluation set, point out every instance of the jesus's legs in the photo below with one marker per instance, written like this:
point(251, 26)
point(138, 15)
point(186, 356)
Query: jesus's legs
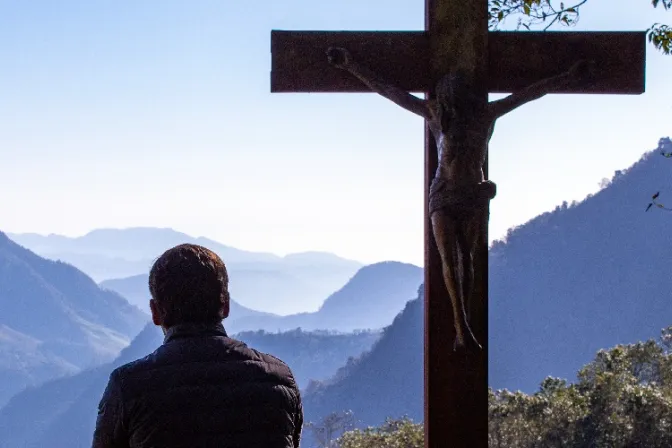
point(452, 238)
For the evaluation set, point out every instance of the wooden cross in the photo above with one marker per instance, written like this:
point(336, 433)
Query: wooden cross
point(456, 36)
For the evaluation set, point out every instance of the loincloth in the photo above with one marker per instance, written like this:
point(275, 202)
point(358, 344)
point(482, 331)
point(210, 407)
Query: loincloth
point(460, 201)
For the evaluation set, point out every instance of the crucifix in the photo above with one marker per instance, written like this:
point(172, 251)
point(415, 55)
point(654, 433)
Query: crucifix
point(456, 62)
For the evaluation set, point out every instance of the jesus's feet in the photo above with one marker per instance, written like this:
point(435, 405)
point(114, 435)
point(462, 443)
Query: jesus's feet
point(466, 344)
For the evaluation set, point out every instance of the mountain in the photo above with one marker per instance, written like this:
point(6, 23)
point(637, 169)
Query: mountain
point(312, 355)
point(63, 412)
point(385, 382)
point(136, 290)
point(584, 277)
point(260, 281)
point(370, 299)
point(139, 243)
point(55, 320)
point(568, 283)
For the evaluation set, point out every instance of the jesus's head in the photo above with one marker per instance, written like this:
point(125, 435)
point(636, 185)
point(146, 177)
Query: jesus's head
point(456, 97)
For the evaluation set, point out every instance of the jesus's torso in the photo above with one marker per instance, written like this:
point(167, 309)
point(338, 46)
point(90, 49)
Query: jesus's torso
point(461, 152)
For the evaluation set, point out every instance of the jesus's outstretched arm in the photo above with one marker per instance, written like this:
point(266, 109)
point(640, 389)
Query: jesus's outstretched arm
point(341, 58)
point(580, 72)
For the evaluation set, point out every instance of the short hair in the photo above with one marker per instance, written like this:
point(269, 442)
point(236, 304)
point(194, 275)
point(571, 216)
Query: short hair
point(190, 283)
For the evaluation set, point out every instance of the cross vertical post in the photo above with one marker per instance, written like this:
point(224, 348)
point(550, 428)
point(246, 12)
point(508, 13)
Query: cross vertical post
point(456, 383)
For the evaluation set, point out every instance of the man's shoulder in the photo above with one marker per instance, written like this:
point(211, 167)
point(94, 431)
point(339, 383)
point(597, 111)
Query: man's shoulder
point(166, 354)
point(257, 355)
point(273, 359)
point(132, 367)
point(276, 364)
point(267, 357)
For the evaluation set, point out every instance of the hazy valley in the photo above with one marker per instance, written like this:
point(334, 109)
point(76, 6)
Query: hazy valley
point(564, 285)
point(262, 281)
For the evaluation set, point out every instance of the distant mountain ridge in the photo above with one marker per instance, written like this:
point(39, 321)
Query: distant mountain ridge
point(136, 290)
point(386, 381)
point(136, 243)
point(564, 285)
point(63, 412)
point(370, 300)
point(567, 283)
point(261, 281)
point(55, 320)
point(583, 277)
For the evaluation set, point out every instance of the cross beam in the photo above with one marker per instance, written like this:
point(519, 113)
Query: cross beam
point(515, 60)
point(456, 37)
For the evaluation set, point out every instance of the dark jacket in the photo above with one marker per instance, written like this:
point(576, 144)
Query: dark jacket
point(200, 389)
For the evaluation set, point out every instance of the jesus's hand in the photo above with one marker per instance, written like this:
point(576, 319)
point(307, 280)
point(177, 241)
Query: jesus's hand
point(581, 72)
point(339, 57)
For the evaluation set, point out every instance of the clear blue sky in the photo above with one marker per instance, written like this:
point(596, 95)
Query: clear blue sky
point(158, 113)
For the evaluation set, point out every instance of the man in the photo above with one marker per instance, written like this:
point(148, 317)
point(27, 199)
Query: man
point(200, 388)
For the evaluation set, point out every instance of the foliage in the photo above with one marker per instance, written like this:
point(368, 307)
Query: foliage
point(546, 13)
point(331, 426)
point(401, 433)
point(622, 399)
point(665, 150)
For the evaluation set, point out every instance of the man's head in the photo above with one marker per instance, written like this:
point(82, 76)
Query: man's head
point(189, 284)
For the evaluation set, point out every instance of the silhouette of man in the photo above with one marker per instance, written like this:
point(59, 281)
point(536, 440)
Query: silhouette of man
point(200, 388)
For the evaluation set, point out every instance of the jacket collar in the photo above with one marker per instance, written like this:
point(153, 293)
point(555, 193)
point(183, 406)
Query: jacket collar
point(194, 330)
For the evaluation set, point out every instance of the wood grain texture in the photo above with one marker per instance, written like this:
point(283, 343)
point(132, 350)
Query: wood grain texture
point(516, 59)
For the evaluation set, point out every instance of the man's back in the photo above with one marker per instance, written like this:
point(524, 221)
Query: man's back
point(201, 389)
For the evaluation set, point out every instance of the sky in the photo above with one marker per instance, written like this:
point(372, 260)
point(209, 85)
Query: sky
point(118, 114)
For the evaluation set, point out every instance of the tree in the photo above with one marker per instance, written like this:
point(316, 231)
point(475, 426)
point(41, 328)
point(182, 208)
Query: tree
point(665, 149)
point(402, 433)
point(331, 426)
point(544, 14)
point(623, 398)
